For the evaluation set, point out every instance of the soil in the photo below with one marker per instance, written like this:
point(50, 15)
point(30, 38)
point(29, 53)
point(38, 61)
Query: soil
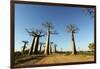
point(57, 58)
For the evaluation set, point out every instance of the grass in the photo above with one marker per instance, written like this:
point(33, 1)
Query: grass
point(90, 53)
point(59, 57)
point(27, 58)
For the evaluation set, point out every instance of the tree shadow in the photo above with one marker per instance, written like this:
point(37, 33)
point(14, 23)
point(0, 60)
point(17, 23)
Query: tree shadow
point(36, 58)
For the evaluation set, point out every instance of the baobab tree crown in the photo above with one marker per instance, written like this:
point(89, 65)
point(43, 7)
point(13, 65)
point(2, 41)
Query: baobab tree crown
point(72, 28)
point(25, 42)
point(48, 25)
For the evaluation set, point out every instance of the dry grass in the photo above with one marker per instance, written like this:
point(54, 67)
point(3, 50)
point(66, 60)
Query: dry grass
point(57, 58)
point(65, 59)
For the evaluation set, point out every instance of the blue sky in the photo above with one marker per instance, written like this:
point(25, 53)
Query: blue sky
point(32, 16)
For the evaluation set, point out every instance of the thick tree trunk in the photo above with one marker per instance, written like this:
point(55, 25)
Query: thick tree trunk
point(32, 46)
point(47, 44)
point(73, 44)
point(35, 50)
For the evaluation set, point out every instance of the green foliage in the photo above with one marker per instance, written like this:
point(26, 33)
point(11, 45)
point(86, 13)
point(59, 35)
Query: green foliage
point(85, 53)
point(91, 46)
point(18, 53)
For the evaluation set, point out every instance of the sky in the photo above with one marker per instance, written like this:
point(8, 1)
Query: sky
point(32, 16)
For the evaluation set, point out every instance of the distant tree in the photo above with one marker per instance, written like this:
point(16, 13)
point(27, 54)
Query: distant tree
point(25, 42)
point(91, 46)
point(73, 29)
point(50, 50)
point(55, 48)
point(41, 44)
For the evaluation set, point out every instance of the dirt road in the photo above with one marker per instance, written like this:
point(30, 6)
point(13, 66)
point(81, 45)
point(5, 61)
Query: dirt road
point(65, 59)
point(53, 59)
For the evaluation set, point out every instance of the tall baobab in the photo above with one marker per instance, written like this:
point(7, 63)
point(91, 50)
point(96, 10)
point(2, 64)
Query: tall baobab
point(50, 50)
point(36, 44)
point(25, 42)
point(36, 34)
point(55, 50)
point(73, 29)
point(41, 44)
point(33, 34)
point(49, 27)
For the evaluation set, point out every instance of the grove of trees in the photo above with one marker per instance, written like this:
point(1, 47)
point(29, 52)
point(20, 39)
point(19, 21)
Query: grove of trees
point(49, 47)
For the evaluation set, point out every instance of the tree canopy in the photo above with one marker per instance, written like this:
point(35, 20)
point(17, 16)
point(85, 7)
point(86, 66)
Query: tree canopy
point(91, 46)
point(72, 28)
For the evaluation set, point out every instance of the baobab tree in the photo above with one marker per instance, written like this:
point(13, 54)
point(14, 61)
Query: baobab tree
point(33, 34)
point(55, 50)
point(41, 44)
point(50, 50)
point(25, 42)
point(91, 46)
point(36, 34)
point(49, 27)
point(39, 33)
point(73, 29)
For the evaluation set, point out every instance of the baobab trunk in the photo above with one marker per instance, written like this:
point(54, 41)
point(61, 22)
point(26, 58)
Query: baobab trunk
point(47, 44)
point(35, 50)
point(73, 44)
point(32, 46)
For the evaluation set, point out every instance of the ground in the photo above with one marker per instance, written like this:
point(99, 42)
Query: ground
point(56, 58)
